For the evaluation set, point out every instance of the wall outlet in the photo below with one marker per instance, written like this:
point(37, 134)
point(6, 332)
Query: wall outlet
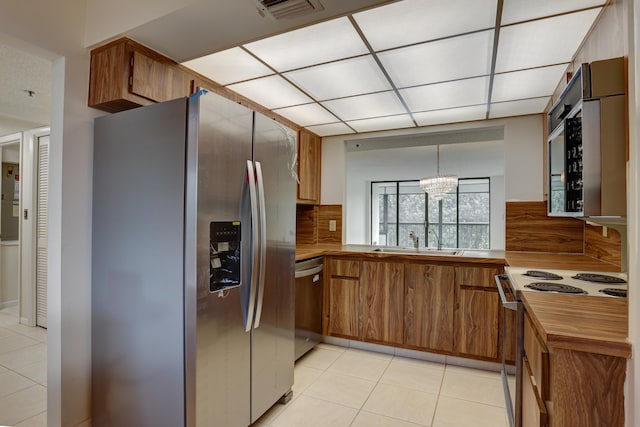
point(332, 225)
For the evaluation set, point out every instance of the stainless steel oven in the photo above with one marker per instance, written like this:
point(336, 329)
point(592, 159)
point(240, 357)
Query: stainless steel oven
point(512, 389)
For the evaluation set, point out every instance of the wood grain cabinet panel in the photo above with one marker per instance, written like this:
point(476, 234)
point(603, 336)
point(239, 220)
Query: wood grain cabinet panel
point(344, 308)
point(344, 267)
point(429, 306)
point(125, 75)
point(383, 302)
point(309, 164)
point(477, 313)
point(538, 357)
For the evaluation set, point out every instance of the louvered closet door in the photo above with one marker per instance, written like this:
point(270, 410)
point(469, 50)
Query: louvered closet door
point(41, 231)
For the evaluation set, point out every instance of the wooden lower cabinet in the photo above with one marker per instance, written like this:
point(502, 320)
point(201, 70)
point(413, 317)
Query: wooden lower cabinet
point(477, 313)
point(566, 388)
point(429, 303)
point(344, 308)
point(383, 301)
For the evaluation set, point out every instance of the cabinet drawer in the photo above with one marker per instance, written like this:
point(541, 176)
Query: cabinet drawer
point(534, 412)
point(477, 277)
point(344, 267)
point(538, 356)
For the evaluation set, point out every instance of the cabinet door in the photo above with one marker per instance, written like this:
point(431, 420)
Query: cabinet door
point(476, 327)
point(383, 302)
point(534, 413)
point(344, 308)
point(429, 303)
point(477, 312)
point(309, 152)
point(156, 80)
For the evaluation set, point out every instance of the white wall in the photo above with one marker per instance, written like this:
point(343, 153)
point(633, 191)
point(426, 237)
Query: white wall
point(56, 32)
point(106, 19)
point(466, 160)
point(523, 161)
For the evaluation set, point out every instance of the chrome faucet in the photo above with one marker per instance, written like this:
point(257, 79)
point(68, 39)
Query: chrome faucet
point(414, 238)
point(437, 238)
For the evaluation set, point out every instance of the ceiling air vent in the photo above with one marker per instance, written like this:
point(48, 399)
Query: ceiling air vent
point(286, 9)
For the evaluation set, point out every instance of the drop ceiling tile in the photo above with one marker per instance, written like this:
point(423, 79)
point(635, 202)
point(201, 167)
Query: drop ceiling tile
point(518, 108)
point(330, 129)
point(532, 83)
point(307, 115)
point(543, 42)
point(414, 21)
point(327, 41)
point(382, 123)
point(451, 115)
point(229, 66)
point(449, 59)
point(453, 94)
point(523, 10)
point(340, 79)
point(366, 106)
point(271, 92)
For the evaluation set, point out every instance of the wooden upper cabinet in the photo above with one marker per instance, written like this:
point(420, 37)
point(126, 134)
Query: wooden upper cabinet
point(125, 75)
point(309, 164)
point(429, 303)
point(383, 302)
point(477, 313)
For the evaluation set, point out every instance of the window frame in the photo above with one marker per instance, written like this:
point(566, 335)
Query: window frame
point(426, 210)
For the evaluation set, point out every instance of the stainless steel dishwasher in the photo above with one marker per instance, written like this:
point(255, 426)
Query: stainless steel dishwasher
point(309, 286)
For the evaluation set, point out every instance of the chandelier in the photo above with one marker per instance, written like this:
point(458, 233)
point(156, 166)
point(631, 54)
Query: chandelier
point(439, 185)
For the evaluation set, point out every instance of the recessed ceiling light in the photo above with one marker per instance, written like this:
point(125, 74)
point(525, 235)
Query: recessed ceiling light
point(449, 59)
point(306, 115)
point(527, 84)
point(518, 108)
point(451, 115)
point(382, 123)
point(229, 66)
point(524, 10)
point(415, 21)
point(543, 42)
point(331, 129)
point(327, 41)
point(340, 79)
point(447, 95)
point(366, 106)
point(271, 92)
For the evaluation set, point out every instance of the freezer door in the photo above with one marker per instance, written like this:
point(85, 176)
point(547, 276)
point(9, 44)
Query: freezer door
point(217, 347)
point(272, 354)
point(137, 267)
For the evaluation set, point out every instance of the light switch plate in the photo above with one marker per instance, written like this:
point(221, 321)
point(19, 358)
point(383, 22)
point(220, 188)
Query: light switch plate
point(332, 225)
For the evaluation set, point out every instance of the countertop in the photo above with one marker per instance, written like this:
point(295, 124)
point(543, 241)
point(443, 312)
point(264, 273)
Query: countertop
point(574, 322)
point(581, 323)
point(563, 261)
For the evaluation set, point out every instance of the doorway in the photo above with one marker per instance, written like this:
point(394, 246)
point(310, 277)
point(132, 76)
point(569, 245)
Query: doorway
point(10, 223)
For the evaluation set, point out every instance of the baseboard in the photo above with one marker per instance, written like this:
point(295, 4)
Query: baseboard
point(414, 354)
point(7, 304)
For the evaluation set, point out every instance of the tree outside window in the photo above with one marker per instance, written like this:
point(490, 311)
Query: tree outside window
point(460, 220)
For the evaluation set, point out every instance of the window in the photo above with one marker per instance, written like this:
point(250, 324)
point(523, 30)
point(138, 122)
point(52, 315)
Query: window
point(459, 220)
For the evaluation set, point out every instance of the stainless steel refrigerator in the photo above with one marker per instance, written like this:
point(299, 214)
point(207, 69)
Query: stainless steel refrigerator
point(193, 252)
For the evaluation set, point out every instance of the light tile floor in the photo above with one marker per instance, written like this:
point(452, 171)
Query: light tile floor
point(336, 386)
point(23, 373)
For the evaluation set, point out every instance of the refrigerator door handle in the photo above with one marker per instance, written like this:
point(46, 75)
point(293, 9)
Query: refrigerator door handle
point(255, 239)
point(263, 243)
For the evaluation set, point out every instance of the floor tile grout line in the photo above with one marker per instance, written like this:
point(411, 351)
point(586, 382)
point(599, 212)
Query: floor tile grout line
point(372, 389)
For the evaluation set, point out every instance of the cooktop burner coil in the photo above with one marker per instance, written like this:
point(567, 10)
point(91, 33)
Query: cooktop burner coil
point(555, 287)
point(542, 275)
point(620, 293)
point(598, 278)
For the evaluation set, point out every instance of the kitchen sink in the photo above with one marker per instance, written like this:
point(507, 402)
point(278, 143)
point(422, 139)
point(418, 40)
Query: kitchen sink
point(418, 251)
